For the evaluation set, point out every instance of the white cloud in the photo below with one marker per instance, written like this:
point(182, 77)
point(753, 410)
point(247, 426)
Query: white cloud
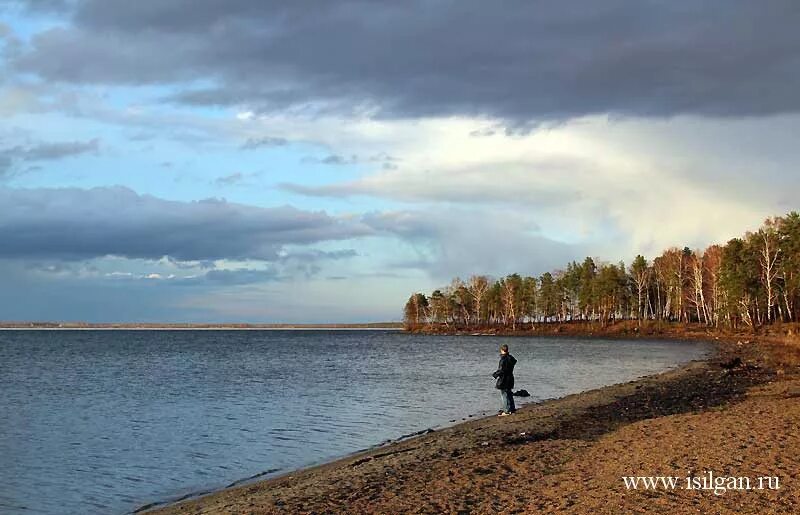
point(620, 186)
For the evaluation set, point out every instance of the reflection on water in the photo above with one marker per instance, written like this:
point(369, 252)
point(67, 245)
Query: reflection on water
point(106, 421)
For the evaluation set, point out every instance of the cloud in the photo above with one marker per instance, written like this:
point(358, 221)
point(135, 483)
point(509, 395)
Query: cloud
point(81, 224)
point(457, 241)
point(289, 265)
point(56, 226)
point(264, 142)
point(5, 165)
point(333, 160)
point(386, 161)
point(502, 170)
point(60, 150)
point(12, 158)
point(37, 5)
point(619, 186)
point(240, 276)
point(314, 255)
point(229, 180)
point(82, 299)
point(9, 43)
point(16, 99)
point(529, 61)
point(490, 182)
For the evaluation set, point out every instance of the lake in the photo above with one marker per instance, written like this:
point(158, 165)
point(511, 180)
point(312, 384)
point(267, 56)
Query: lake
point(107, 421)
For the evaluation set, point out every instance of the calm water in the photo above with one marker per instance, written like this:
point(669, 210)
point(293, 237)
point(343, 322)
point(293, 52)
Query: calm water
point(106, 421)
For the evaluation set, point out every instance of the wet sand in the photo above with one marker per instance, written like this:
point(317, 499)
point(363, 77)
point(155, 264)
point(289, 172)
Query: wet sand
point(735, 414)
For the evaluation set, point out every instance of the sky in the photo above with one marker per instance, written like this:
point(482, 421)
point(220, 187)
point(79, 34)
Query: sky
point(317, 161)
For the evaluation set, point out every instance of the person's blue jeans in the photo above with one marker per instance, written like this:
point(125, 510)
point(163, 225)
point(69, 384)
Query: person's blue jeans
point(508, 401)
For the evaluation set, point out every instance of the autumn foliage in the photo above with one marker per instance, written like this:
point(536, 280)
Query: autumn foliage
point(748, 282)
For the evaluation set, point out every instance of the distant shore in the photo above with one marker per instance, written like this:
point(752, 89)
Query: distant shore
point(733, 413)
point(619, 329)
point(173, 326)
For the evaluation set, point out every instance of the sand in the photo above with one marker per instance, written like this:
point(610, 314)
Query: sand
point(730, 417)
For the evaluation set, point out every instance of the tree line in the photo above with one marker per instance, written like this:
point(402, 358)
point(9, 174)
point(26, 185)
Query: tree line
point(750, 281)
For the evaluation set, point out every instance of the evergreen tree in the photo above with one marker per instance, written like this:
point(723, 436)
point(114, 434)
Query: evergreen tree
point(751, 280)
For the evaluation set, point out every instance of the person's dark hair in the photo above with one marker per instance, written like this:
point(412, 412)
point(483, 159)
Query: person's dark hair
point(504, 348)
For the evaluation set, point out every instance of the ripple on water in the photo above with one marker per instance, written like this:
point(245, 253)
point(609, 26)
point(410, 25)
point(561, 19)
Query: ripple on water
point(107, 421)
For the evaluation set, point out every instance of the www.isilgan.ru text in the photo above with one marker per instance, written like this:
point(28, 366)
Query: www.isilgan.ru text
point(708, 480)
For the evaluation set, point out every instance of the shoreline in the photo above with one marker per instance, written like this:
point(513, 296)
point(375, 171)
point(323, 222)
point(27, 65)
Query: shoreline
point(215, 328)
point(72, 326)
point(369, 452)
point(631, 329)
point(359, 478)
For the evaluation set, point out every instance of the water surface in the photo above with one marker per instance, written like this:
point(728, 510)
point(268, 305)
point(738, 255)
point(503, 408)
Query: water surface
point(106, 421)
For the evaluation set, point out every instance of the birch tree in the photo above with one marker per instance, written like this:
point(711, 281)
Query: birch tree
point(697, 283)
point(512, 293)
point(712, 263)
point(477, 286)
point(768, 257)
point(640, 273)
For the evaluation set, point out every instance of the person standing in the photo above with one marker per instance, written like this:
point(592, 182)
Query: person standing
point(505, 380)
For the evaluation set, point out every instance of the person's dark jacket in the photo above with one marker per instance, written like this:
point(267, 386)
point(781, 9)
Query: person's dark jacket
point(505, 372)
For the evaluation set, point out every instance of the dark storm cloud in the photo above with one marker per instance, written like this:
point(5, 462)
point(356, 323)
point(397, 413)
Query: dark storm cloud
point(516, 60)
point(81, 224)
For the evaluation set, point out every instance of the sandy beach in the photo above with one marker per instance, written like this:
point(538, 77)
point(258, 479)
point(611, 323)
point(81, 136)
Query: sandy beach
point(732, 416)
